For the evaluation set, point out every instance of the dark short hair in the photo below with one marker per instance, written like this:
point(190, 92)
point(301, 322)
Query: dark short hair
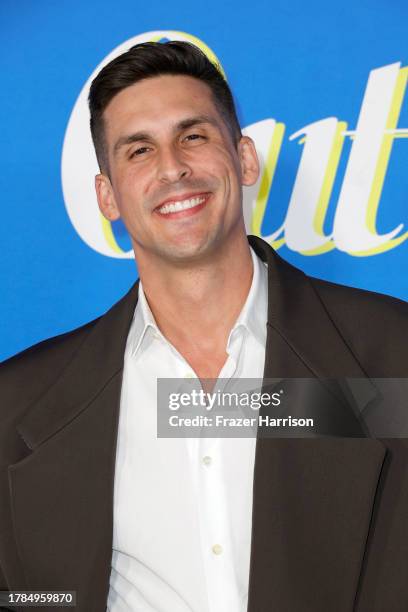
point(152, 59)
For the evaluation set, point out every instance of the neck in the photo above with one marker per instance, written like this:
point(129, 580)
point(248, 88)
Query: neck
point(196, 306)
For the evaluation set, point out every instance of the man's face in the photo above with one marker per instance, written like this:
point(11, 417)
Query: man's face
point(175, 174)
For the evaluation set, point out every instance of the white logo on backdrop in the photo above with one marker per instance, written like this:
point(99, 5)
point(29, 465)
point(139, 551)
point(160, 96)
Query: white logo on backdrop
point(354, 228)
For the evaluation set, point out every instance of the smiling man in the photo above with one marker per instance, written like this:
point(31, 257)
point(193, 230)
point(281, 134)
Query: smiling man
point(91, 499)
point(174, 171)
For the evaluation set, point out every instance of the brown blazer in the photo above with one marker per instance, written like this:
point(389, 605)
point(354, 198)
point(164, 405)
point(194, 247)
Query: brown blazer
point(330, 514)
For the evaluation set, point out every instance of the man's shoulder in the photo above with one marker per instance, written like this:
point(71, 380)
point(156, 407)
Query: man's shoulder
point(59, 349)
point(352, 301)
point(49, 348)
point(374, 325)
point(24, 376)
point(27, 376)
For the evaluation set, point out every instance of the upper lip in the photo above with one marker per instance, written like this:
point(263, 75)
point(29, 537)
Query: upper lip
point(181, 197)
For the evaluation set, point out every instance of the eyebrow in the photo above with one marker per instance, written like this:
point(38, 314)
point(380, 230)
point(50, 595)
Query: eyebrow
point(180, 126)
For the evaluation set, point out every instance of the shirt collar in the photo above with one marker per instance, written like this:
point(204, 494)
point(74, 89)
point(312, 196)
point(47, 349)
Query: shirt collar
point(144, 323)
point(252, 316)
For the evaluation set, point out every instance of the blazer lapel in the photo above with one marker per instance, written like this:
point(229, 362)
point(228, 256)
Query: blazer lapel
point(62, 493)
point(313, 498)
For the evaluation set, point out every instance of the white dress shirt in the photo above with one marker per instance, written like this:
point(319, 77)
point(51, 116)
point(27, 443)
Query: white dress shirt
point(183, 507)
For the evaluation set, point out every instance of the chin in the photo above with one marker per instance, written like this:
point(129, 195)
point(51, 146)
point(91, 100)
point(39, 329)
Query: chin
point(188, 252)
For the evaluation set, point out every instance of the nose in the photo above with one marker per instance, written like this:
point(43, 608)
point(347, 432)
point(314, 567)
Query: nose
point(172, 166)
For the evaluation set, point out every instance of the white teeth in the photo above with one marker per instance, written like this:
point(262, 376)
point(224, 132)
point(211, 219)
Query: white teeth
point(183, 205)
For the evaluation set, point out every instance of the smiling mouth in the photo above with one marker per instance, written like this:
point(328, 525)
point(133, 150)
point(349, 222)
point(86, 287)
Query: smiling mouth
point(192, 205)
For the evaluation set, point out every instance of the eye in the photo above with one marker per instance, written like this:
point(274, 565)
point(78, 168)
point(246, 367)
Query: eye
point(139, 151)
point(191, 137)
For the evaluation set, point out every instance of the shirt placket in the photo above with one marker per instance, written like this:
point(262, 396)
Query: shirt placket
point(215, 524)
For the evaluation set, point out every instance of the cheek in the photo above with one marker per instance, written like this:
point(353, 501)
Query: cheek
point(133, 186)
point(219, 164)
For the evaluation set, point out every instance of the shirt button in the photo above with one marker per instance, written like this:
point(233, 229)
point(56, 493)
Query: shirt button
point(217, 549)
point(207, 460)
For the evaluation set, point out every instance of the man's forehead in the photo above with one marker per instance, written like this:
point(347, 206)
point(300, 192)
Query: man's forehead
point(154, 94)
point(170, 101)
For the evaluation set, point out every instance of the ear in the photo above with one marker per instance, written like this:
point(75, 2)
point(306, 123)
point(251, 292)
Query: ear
point(249, 161)
point(106, 199)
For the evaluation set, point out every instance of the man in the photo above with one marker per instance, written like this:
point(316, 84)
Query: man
point(92, 500)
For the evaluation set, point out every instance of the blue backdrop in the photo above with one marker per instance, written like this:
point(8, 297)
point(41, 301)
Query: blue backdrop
point(295, 63)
